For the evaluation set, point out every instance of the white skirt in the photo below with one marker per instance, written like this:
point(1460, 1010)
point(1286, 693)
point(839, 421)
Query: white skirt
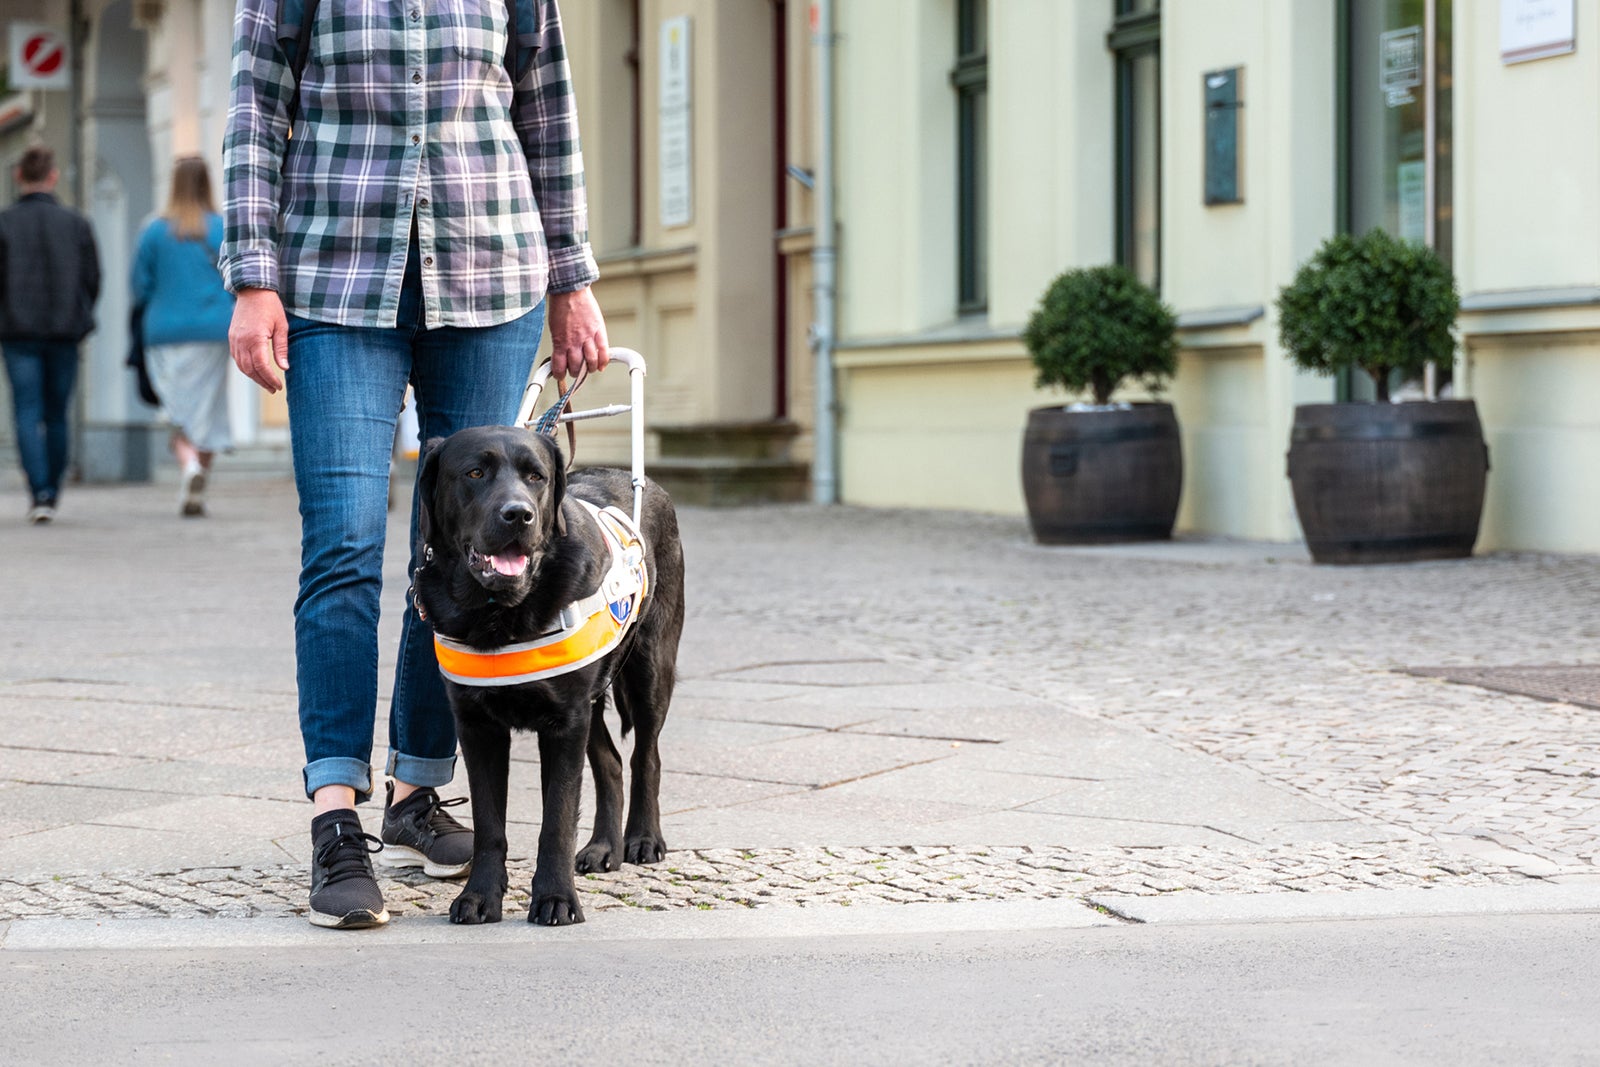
point(192, 381)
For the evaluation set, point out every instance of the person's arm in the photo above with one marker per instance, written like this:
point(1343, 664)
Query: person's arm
point(545, 112)
point(252, 165)
point(142, 279)
point(89, 263)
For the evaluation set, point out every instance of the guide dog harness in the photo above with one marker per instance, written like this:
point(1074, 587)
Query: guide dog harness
point(586, 629)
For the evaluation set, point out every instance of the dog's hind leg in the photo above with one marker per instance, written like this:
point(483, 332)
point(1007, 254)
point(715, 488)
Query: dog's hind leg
point(643, 691)
point(486, 750)
point(555, 895)
point(604, 850)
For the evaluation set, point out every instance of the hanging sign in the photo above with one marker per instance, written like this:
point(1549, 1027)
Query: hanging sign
point(1400, 59)
point(1536, 29)
point(39, 57)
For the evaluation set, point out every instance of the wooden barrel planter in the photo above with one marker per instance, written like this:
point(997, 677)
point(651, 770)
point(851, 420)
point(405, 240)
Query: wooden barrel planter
point(1102, 476)
point(1388, 483)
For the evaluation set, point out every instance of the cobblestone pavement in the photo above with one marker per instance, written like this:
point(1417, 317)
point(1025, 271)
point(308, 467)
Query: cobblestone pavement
point(728, 878)
point(1291, 670)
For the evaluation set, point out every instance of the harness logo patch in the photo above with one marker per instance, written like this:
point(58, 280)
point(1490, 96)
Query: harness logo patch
point(621, 609)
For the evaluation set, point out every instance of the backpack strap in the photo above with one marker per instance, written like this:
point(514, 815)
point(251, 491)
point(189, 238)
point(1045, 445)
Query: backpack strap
point(295, 20)
point(522, 38)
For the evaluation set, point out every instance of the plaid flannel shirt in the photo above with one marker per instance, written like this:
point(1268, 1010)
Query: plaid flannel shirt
point(406, 110)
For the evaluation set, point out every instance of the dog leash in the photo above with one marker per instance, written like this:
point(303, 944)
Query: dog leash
point(546, 423)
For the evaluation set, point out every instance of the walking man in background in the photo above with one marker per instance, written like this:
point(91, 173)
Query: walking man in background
point(49, 281)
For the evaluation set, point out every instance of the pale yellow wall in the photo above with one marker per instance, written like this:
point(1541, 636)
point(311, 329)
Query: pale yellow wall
point(896, 166)
point(1536, 396)
point(738, 205)
point(696, 299)
point(1240, 255)
point(1527, 146)
point(925, 430)
point(1220, 395)
point(1527, 158)
point(1051, 141)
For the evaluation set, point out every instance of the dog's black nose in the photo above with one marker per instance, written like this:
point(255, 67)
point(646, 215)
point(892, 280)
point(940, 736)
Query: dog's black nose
point(517, 512)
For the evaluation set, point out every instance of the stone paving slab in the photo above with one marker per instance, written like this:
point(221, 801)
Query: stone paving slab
point(1242, 654)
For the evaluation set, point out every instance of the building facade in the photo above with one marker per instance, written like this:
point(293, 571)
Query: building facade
point(980, 147)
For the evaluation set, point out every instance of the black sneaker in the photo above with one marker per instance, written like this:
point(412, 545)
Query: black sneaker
point(418, 832)
point(344, 894)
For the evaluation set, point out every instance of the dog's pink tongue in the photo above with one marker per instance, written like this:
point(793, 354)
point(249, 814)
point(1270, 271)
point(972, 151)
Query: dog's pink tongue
point(510, 566)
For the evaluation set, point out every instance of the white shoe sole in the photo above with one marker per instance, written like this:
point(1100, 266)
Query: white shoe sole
point(399, 857)
point(192, 498)
point(355, 920)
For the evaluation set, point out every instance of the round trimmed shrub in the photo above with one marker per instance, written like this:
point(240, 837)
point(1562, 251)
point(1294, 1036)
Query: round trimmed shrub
point(1097, 326)
point(1374, 302)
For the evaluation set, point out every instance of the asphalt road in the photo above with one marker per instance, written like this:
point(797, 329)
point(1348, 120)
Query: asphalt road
point(1479, 990)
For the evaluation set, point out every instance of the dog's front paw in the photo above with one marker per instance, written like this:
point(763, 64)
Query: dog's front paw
point(646, 848)
point(598, 856)
point(558, 908)
point(471, 908)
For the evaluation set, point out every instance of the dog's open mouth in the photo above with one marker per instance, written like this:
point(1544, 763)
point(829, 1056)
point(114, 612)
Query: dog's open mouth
point(509, 562)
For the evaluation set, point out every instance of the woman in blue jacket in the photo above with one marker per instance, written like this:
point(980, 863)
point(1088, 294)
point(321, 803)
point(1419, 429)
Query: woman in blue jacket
point(186, 317)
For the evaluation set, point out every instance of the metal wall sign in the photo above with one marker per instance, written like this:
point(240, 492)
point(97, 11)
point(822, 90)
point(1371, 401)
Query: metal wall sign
point(676, 111)
point(39, 57)
point(1536, 29)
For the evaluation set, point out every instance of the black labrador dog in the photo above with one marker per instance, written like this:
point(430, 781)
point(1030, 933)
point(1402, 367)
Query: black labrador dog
point(506, 546)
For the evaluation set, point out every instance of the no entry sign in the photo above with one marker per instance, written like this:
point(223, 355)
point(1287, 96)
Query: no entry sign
point(39, 57)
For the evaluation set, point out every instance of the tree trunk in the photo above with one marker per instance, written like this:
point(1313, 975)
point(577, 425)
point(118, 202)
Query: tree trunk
point(1380, 383)
point(1102, 385)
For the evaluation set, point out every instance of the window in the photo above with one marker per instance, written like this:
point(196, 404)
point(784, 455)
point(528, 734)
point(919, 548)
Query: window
point(1135, 40)
point(1396, 129)
point(971, 81)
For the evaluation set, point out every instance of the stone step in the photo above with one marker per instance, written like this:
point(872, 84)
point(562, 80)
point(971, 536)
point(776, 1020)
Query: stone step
point(767, 439)
point(718, 481)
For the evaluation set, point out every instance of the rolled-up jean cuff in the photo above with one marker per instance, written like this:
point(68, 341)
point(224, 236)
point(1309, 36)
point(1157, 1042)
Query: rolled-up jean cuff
point(414, 770)
point(339, 770)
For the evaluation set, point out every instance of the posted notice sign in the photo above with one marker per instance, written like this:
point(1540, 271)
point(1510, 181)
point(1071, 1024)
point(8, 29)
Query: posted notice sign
point(1536, 29)
point(677, 110)
point(39, 57)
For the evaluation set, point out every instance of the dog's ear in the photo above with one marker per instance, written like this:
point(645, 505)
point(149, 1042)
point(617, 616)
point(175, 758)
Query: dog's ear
point(558, 487)
point(558, 478)
point(427, 480)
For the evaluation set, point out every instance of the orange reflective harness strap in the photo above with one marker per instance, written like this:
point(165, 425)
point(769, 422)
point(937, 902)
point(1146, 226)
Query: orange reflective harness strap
point(586, 629)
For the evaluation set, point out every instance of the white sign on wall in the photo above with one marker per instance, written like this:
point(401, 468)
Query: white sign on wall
point(1536, 29)
point(39, 57)
point(677, 188)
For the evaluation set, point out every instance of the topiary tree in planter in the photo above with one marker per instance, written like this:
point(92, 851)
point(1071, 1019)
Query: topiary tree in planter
point(1374, 302)
point(1096, 327)
point(1101, 474)
point(1380, 483)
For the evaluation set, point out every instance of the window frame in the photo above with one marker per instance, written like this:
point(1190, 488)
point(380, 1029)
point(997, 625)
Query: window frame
point(1135, 34)
point(969, 77)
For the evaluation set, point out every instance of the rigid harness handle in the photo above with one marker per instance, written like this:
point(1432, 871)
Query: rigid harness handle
point(636, 371)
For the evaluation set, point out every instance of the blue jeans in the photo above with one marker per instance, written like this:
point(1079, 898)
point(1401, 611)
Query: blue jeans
point(42, 375)
point(345, 389)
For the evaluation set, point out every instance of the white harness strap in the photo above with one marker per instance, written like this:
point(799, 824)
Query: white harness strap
point(586, 629)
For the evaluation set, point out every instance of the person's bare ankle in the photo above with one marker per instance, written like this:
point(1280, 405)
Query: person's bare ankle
point(402, 790)
point(333, 798)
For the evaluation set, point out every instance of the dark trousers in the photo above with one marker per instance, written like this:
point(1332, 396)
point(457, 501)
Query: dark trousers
point(42, 375)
